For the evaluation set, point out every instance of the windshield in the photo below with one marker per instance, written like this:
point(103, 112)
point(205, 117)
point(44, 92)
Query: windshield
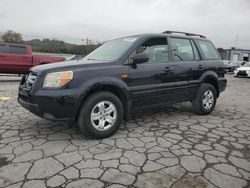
point(111, 50)
point(247, 64)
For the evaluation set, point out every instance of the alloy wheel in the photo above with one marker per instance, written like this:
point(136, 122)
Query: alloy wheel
point(103, 115)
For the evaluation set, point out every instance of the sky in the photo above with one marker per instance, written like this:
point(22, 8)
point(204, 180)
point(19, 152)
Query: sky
point(222, 21)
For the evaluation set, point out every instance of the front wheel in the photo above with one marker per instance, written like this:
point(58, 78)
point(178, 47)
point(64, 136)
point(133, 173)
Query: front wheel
point(205, 100)
point(101, 115)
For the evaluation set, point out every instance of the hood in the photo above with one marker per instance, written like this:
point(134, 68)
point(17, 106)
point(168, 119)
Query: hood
point(66, 65)
point(243, 68)
point(45, 67)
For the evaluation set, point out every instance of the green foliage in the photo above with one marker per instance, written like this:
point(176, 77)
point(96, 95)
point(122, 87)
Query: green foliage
point(57, 46)
point(48, 45)
point(12, 37)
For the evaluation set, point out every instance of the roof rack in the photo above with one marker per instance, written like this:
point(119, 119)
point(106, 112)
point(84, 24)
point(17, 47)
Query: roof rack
point(187, 34)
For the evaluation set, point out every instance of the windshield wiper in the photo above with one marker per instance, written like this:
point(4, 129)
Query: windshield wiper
point(97, 59)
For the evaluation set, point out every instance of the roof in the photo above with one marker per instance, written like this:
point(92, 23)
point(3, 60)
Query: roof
point(171, 33)
point(14, 44)
point(238, 49)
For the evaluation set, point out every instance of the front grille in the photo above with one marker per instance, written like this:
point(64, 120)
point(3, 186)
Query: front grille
point(242, 73)
point(29, 80)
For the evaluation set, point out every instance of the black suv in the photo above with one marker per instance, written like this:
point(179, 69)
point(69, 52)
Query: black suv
point(99, 91)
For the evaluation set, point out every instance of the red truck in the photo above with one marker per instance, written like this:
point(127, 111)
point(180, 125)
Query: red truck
point(18, 58)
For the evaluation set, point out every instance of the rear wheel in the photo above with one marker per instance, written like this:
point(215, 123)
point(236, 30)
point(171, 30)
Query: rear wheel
point(101, 115)
point(205, 100)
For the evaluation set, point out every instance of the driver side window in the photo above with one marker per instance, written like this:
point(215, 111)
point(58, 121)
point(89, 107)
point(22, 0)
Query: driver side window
point(156, 49)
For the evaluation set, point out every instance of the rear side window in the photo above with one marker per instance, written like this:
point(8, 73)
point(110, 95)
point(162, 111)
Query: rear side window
point(182, 49)
point(17, 50)
point(3, 48)
point(208, 50)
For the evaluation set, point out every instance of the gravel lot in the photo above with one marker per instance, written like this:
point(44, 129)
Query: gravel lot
point(163, 147)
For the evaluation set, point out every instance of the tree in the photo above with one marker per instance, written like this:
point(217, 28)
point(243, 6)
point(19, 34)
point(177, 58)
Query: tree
point(12, 37)
point(48, 45)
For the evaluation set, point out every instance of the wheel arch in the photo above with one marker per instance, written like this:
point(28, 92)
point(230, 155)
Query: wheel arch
point(211, 78)
point(116, 87)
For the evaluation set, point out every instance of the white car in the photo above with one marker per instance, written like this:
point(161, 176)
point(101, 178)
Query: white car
point(243, 71)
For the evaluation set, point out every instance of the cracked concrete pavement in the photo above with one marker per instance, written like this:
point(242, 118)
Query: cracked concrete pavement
point(160, 147)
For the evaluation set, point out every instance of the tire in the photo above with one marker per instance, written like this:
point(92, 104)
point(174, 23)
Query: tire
point(100, 115)
point(205, 100)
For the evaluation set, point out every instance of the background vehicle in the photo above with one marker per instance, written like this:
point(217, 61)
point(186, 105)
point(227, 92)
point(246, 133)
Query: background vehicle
point(226, 62)
point(123, 74)
point(230, 66)
point(18, 59)
point(243, 71)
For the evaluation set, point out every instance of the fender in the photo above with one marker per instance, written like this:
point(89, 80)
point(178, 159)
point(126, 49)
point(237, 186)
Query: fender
point(212, 78)
point(208, 75)
point(106, 81)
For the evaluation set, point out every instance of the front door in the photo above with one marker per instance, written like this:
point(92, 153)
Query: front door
point(150, 81)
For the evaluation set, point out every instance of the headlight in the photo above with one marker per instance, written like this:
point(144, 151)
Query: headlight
point(57, 79)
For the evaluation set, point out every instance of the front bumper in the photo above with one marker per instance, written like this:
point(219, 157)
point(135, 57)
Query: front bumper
point(242, 73)
point(33, 108)
point(50, 104)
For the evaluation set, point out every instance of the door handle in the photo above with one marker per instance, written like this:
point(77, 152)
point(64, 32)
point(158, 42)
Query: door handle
point(200, 67)
point(2, 56)
point(168, 69)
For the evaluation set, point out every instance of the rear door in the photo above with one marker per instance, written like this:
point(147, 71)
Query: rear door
point(186, 66)
point(17, 59)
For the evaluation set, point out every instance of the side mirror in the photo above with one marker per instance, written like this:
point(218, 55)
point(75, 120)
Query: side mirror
point(140, 58)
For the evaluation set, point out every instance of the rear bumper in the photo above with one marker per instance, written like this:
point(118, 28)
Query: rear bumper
point(222, 83)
